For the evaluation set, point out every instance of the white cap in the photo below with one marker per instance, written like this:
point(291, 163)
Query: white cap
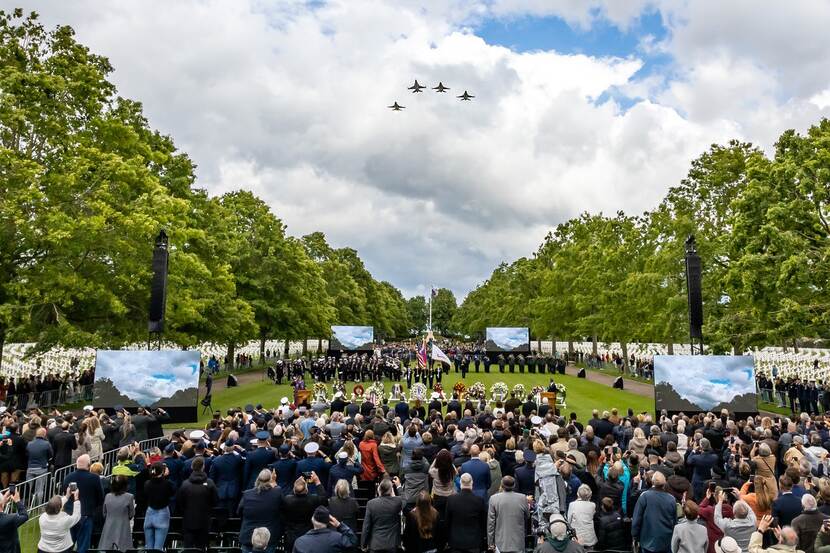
point(284, 401)
point(196, 435)
point(311, 448)
point(342, 455)
point(557, 518)
point(434, 395)
point(338, 394)
point(535, 420)
point(253, 441)
point(88, 408)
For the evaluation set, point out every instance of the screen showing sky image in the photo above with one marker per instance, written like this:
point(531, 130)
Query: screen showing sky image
point(706, 380)
point(508, 338)
point(148, 377)
point(352, 337)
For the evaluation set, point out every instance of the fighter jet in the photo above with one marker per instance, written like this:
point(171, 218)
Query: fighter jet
point(416, 87)
point(396, 107)
point(440, 87)
point(465, 97)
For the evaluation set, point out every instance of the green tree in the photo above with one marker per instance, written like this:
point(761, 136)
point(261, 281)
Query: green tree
point(444, 307)
point(418, 313)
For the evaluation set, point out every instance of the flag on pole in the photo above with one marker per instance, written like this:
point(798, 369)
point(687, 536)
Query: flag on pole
point(439, 355)
point(422, 355)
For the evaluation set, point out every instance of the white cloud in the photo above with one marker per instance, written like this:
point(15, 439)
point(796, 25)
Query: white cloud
point(289, 101)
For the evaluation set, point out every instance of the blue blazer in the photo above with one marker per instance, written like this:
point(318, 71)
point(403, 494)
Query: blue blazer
point(481, 476)
point(226, 472)
point(256, 460)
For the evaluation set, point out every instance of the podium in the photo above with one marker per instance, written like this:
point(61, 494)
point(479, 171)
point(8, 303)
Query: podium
point(551, 399)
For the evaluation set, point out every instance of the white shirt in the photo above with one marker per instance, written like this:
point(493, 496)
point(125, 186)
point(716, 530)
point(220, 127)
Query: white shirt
point(54, 529)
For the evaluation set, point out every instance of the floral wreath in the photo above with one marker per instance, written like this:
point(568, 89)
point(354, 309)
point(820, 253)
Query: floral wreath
point(358, 390)
point(459, 388)
point(418, 391)
point(499, 390)
point(438, 389)
point(478, 391)
point(519, 391)
point(320, 390)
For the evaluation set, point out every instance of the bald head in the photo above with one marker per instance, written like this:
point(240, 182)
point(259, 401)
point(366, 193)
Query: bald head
point(658, 480)
point(83, 462)
point(788, 537)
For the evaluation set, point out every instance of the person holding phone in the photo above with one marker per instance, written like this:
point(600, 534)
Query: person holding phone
point(55, 523)
point(10, 522)
point(91, 495)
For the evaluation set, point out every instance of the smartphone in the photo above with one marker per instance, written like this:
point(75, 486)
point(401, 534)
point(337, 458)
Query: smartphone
point(73, 487)
point(12, 488)
point(307, 475)
point(713, 486)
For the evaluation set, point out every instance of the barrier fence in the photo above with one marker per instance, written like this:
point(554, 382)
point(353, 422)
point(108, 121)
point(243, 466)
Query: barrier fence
point(49, 398)
point(36, 492)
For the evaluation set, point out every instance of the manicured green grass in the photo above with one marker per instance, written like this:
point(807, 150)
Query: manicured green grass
point(582, 395)
point(773, 408)
point(614, 372)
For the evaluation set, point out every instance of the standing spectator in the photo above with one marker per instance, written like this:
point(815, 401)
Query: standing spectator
point(480, 472)
point(787, 539)
point(787, 506)
point(95, 437)
point(808, 523)
point(442, 472)
point(466, 519)
point(559, 541)
point(63, 443)
point(299, 507)
point(581, 516)
point(689, 536)
point(421, 529)
point(701, 460)
point(91, 495)
point(328, 535)
point(158, 491)
point(141, 421)
point(416, 478)
point(370, 461)
point(196, 500)
point(260, 508)
point(507, 517)
point(226, 473)
point(655, 515)
point(495, 472)
point(610, 529)
point(382, 521)
point(739, 528)
point(39, 452)
point(389, 452)
point(55, 524)
point(10, 522)
point(342, 505)
point(119, 510)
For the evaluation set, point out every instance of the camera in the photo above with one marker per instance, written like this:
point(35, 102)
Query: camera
point(307, 475)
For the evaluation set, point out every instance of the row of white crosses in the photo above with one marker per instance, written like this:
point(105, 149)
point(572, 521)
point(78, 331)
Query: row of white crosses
point(58, 362)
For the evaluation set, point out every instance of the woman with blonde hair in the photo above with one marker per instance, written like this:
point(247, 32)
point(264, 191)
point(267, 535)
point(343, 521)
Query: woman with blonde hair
point(389, 451)
point(95, 437)
point(682, 438)
point(766, 486)
point(639, 442)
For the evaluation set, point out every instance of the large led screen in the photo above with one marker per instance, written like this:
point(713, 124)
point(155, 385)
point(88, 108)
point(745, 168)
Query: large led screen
point(352, 338)
point(700, 383)
point(166, 379)
point(508, 339)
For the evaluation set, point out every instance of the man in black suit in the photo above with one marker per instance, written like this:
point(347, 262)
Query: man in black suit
point(466, 519)
point(63, 443)
point(787, 506)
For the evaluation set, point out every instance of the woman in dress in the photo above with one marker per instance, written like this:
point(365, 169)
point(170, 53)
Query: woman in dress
point(119, 509)
point(95, 437)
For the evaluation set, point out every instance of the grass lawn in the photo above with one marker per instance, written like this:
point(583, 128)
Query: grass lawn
point(613, 371)
point(582, 395)
point(773, 408)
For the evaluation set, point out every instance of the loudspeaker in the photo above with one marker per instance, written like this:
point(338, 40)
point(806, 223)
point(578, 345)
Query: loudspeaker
point(693, 290)
point(158, 289)
point(581, 373)
point(618, 383)
point(232, 382)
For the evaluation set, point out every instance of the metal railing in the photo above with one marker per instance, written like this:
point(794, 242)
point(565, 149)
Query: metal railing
point(49, 398)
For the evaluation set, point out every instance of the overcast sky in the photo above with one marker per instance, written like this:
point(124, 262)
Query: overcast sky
point(706, 380)
point(580, 106)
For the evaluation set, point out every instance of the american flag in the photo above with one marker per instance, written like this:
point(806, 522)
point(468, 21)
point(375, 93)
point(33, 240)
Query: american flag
point(422, 355)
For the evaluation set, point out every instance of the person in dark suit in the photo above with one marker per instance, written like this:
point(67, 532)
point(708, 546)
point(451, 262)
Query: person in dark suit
point(260, 507)
point(141, 421)
point(10, 522)
point(195, 501)
point(480, 472)
point(63, 444)
point(299, 506)
point(226, 472)
point(154, 426)
point(787, 506)
point(466, 519)
point(257, 460)
point(382, 522)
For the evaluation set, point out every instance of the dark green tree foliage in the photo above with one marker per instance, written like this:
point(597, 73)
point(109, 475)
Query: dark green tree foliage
point(86, 185)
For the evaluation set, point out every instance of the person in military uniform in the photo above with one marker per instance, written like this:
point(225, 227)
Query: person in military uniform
point(531, 364)
point(521, 360)
point(510, 361)
point(501, 363)
point(486, 361)
point(476, 361)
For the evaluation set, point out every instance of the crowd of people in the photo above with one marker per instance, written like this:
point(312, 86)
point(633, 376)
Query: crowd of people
point(455, 475)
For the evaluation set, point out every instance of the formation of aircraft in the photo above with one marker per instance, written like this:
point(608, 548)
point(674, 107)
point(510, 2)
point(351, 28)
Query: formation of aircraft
point(417, 87)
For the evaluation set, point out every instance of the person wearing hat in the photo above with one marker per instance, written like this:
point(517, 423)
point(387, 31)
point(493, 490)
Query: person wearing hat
point(286, 468)
point(434, 403)
point(315, 461)
point(342, 470)
point(558, 541)
point(338, 404)
point(199, 452)
point(226, 472)
point(328, 535)
point(258, 459)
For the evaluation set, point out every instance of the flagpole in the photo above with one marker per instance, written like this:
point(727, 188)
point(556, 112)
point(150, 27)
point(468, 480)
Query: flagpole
point(430, 308)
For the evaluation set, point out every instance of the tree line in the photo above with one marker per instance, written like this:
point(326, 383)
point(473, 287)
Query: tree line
point(761, 225)
point(87, 184)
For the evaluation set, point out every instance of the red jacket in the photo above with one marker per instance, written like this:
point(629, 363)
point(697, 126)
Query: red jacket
point(370, 460)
